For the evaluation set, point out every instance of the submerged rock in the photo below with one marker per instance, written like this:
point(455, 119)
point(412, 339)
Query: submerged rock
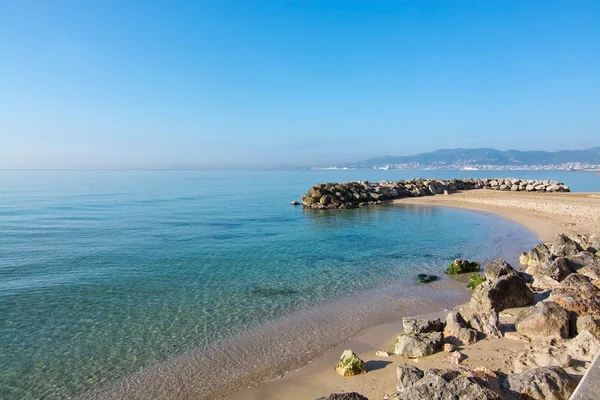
point(418, 344)
point(546, 383)
point(350, 364)
point(457, 332)
point(461, 266)
point(426, 278)
point(546, 319)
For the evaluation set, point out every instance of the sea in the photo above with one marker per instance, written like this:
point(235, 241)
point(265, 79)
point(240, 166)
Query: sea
point(191, 284)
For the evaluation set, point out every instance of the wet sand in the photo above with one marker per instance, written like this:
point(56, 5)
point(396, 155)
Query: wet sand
point(543, 214)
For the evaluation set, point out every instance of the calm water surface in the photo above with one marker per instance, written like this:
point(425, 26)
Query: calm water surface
point(107, 273)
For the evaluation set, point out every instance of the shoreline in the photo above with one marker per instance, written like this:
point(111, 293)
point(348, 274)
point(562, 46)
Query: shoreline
point(319, 379)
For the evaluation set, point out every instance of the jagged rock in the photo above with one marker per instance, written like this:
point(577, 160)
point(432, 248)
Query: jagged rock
point(445, 385)
point(557, 269)
point(593, 243)
point(350, 364)
point(418, 344)
point(449, 347)
point(518, 337)
point(576, 293)
point(506, 292)
point(344, 396)
point(497, 268)
point(382, 353)
point(586, 264)
point(457, 332)
point(588, 323)
point(542, 356)
point(546, 383)
point(456, 357)
point(564, 246)
point(546, 319)
point(545, 282)
point(407, 375)
point(487, 378)
point(426, 278)
point(295, 203)
point(461, 266)
point(487, 323)
point(540, 254)
point(415, 325)
point(584, 346)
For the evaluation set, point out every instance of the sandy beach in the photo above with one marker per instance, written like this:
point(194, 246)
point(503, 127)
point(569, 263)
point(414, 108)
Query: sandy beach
point(544, 214)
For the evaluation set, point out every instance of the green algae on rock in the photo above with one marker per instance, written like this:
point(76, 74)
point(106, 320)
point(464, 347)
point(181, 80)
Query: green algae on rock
point(475, 280)
point(426, 278)
point(461, 266)
point(350, 364)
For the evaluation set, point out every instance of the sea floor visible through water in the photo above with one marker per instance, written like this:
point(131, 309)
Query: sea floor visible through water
point(178, 282)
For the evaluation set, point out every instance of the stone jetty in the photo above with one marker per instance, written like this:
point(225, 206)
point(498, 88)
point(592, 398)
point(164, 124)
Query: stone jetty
point(365, 193)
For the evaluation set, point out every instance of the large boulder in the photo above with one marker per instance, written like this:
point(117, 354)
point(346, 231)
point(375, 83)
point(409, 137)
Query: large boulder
point(462, 266)
point(546, 319)
point(576, 293)
point(557, 269)
point(564, 246)
point(545, 383)
point(588, 323)
point(586, 264)
point(584, 346)
point(350, 364)
point(487, 323)
point(540, 254)
point(415, 325)
point(407, 375)
point(506, 292)
point(445, 385)
point(496, 269)
point(344, 396)
point(418, 344)
point(457, 332)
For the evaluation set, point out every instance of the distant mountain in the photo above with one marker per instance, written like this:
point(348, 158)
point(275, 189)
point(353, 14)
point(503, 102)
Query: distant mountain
point(485, 156)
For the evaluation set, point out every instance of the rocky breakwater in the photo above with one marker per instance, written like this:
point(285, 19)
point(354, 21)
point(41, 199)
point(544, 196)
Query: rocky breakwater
point(365, 193)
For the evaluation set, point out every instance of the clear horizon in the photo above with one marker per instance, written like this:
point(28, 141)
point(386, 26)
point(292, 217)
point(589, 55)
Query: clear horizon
point(226, 84)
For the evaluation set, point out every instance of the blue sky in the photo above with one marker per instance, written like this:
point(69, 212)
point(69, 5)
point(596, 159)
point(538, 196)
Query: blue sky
point(135, 84)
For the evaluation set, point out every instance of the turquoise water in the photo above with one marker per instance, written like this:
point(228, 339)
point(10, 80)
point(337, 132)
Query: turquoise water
point(107, 273)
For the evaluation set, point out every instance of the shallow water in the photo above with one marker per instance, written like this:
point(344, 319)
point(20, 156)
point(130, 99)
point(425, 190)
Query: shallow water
point(113, 276)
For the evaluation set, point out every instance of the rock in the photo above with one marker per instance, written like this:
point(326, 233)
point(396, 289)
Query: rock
point(295, 203)
point(457, 332)
point(584, 346)
point(557, 269)
point(407, 376)
point(588, 323)
point(475, 280)
point(546, 319)
point(586, 264)
point(445, 385)
point(542, 356)
point(487, 323)
point(517, 337)
point(564, 246)
point(425, 278)
point(344, 396)
point(507, 292)
point(461, 266)
point(496, 269)
point(546, 383)
point(415, 325)
point(456, 357)
point(418, 344)
point(382, 353)
point(350, 364)
point(544, 282)
point(540, 254)
point(487, 378)
point(449, 347)
point(576, 293)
